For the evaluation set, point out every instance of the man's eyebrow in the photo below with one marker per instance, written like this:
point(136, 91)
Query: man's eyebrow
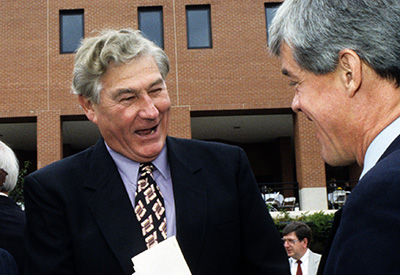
point(134, 91)
point(156, 82)
point(124, 91)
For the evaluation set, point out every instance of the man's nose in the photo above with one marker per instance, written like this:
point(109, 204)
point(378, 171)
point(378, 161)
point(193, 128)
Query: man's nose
point(148, 110)
point(296, 103)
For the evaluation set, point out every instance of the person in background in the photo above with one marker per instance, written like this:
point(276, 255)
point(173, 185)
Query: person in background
point(12, 217)
point(296, 239)
point(343, 60)
point(88, 214)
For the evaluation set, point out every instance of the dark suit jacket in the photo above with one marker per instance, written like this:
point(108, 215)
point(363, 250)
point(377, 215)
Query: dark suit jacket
point(12, 223)
point(80, 219)
point(367, 239)
point(8, 266)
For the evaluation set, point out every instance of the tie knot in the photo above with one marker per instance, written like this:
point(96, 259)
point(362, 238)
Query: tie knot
point(298, 261)
point(147, 167)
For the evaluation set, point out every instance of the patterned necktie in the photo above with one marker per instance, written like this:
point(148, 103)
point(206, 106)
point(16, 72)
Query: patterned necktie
point(299, 271)
point(149, 209)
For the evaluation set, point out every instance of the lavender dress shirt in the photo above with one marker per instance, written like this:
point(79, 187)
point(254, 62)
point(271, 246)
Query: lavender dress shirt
point(129, 169)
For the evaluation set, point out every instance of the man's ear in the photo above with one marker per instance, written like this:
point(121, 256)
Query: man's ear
point(305, 241)
point(89, 108)
point(350, 68)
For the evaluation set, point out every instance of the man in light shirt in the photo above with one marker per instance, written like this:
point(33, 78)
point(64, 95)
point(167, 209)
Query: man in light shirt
point(296, 239)
point(343, 60)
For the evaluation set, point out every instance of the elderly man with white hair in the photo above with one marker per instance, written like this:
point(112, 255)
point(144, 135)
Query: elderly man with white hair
point(12, 218)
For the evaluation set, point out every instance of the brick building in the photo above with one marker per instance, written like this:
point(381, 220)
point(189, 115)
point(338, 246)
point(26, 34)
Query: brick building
point(224, 87)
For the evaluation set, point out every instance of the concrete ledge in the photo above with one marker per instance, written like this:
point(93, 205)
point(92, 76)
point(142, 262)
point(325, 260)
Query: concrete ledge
point(294, 214)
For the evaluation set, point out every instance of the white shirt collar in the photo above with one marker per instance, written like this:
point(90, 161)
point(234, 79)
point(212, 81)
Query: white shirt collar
point(379, 145)
point(304, 263)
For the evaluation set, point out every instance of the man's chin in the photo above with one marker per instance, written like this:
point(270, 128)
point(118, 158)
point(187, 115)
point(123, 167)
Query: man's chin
point(151, 152)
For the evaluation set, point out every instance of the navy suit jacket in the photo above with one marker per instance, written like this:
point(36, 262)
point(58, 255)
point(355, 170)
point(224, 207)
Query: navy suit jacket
point(367, 239)
point(8, 266)
point(12, 223)
point(80, 219)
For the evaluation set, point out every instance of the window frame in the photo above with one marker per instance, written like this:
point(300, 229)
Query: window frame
point(270, 5)
point(154, 9)
point(63, 13)
point(206, 7)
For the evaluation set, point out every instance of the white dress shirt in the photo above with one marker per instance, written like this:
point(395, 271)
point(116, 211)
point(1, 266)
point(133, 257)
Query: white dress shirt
point(304, 264)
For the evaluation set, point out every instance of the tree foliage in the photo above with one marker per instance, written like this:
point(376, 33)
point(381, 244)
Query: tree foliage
point(17, 193)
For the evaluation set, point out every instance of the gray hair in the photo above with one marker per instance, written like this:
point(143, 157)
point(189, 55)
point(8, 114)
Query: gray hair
point(120, 47)
point(317, 30)
point(9, 163)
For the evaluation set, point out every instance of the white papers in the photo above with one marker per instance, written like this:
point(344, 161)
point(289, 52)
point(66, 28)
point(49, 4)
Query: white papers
point(165, 258)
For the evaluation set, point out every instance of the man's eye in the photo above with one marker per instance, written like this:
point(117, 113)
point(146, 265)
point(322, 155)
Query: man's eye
point(293, 83)
point(156, 90)
point(129, 98)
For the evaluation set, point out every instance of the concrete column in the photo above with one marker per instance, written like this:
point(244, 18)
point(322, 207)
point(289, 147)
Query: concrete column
point(310, 166)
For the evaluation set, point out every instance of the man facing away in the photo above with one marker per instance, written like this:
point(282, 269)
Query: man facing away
point(343, 61)
point(12, 218)
point(92, 212)
point(296, 239)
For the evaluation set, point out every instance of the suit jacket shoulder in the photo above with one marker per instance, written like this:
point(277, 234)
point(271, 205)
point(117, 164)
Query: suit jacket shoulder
point(313, 262)
point(12, 224)
point(76, 206)
point(372, 209)
point(219, 209)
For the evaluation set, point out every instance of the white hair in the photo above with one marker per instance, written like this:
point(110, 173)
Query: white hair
point(9, 163)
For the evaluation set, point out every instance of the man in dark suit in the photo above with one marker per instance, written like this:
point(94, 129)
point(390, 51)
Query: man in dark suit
point(81, 210)
point(12, 218)
point(343, 59)
point(8, 266)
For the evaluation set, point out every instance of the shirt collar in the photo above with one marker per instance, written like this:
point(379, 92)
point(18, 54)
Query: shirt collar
point(302, 259)
point(305, 256)
point(130, 168)
point(379, 145)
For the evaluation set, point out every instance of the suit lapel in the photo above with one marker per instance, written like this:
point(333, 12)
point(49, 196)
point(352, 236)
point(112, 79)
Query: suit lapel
point(190, 200)
point(112, 209)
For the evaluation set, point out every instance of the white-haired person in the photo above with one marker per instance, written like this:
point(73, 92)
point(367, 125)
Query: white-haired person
point(12, 218)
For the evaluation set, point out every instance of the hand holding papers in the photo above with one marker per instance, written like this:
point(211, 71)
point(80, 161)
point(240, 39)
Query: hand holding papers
point(165, 258)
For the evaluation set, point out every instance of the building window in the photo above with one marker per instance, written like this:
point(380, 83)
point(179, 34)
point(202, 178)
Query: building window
point(198, 21)
point(71, 30)
point(151, 24)
point(270, 10)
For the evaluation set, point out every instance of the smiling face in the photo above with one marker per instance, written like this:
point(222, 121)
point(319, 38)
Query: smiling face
point(133, 112)
point(323, 99)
